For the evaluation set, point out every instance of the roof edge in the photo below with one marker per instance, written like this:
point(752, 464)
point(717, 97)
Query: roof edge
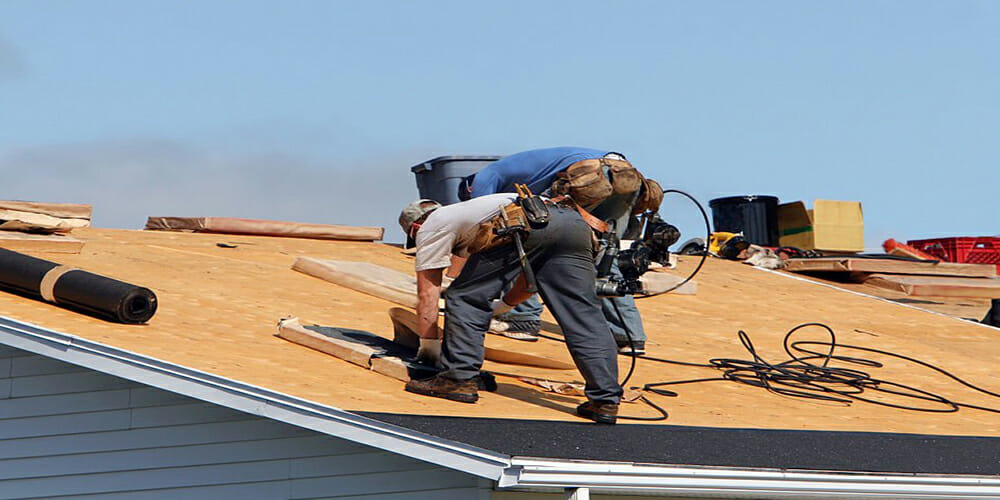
point(540, 474)
point(251, 399)
point(862, 294)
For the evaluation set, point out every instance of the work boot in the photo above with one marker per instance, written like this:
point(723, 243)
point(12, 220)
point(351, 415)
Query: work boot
point(637, 348)
point(993, 315)
point(464, 391)
point(486, 381)
point(602, 413)
point(526, 330)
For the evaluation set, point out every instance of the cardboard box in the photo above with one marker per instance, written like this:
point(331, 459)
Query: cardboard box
point(835, 226)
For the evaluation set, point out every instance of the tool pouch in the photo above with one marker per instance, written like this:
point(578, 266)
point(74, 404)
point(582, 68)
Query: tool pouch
point(535, 211)
point(625, 179)
point(486, 237)
point(650, 197)
point(590, 182)
point(585, 182)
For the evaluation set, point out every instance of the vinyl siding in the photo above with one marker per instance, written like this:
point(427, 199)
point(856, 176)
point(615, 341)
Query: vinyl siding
point(69, 432)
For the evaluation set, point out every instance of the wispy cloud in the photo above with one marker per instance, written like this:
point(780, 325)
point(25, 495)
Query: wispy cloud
point(129, 180)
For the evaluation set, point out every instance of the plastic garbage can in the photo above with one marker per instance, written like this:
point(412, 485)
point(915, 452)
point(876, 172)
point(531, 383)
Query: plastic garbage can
point(438, 179)
point(755, 216)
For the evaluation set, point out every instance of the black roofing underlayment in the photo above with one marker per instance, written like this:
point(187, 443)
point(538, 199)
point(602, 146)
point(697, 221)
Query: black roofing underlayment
point(709, 446)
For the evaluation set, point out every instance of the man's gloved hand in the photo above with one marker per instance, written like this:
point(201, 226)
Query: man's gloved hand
point(429, 351)
point(500, 307)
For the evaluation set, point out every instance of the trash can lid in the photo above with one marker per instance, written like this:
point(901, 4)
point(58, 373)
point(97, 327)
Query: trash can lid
point(429, 164)
point(747, 198)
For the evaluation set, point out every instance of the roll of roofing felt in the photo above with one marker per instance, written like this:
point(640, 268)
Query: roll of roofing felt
point(75, 288)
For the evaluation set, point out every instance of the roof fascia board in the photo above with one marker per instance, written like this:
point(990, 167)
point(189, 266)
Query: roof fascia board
point(251, 399)
point(547, 475)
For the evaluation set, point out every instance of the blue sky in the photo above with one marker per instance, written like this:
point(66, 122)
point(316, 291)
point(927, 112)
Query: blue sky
point(314, 111)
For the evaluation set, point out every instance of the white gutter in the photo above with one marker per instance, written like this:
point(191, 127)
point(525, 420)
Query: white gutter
point(251, 399)
point(533, 474)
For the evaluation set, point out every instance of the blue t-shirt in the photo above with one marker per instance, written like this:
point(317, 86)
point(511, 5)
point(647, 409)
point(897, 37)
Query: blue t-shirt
point(536, 168)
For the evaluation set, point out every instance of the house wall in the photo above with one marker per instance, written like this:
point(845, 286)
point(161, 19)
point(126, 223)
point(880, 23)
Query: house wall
point(69, 432)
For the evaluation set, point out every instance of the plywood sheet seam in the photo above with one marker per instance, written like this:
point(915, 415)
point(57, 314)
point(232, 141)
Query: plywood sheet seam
point(910, 306)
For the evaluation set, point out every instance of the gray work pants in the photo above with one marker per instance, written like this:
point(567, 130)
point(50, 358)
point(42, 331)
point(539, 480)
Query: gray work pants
point(561, 257)
point(620, 312)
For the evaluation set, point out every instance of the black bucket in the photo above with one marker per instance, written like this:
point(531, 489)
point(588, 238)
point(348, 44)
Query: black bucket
point(754, 216)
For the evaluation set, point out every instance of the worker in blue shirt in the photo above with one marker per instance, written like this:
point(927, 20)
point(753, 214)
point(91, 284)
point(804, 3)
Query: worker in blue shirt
point(537, 169)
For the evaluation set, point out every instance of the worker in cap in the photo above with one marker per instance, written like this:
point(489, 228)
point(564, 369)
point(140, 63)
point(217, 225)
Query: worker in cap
point(561, 255)
point(412, 216)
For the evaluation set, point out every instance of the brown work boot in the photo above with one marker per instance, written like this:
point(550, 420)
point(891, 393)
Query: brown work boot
point(602, 413)
point(464, 391)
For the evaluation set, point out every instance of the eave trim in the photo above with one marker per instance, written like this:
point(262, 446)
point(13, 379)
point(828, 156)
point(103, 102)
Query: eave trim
point(547, 475)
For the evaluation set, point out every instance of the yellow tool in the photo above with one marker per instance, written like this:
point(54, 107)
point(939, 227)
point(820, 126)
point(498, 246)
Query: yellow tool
point(727, 245)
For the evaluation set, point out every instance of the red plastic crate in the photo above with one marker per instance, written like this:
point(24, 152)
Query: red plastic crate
point(967, 250)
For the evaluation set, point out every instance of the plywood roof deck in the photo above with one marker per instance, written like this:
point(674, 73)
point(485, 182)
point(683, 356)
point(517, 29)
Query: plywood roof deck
point(218, 309)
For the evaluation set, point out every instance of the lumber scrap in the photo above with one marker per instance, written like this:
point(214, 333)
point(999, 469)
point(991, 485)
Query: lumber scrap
point(53, 243)
point(358, 347)
point(15, 220)
point(658, 281)
point(364, 277)
point(60, 210)
point(260, 227)
point(937, 286)
point(404, 324)
point(890, 266)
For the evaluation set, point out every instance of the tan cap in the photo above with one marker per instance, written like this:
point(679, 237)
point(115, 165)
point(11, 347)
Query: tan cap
point(412, 213)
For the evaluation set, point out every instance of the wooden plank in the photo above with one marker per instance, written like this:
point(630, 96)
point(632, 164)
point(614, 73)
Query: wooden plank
point(293, 331)
point(61, 210)
point(260, 227)
point(658, 281)
point(25, 242)
point(937, 286)
point(404, 323)
point(891, 266)
point(364, 349)
point(18, 220)
point(371, 279)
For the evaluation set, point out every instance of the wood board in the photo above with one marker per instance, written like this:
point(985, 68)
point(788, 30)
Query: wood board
point(359, 347)
point(60, 210)
point(218, 308)
point(25, 242)
point(364, 277)
point(404, 323)
point(259, 227)
point(890, 266)
point(658, 280)
point(937, 286)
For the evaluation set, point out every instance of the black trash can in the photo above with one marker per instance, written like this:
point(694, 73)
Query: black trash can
point(438, 179)
point(753, 215)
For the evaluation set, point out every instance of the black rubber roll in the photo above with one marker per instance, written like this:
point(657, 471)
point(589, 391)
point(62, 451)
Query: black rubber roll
point(22, 273)
point(77, 289)
point(103, 296)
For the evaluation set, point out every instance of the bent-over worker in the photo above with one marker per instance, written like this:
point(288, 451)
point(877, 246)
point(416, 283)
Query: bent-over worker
point(560, 254)
point(539, 169)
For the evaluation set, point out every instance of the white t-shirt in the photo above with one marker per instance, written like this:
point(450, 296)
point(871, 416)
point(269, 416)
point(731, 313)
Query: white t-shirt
point(449, 229)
